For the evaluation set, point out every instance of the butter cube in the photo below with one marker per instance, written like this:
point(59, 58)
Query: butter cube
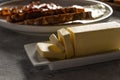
point(50, 51)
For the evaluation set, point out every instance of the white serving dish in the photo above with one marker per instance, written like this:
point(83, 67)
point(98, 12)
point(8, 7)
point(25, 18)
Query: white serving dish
point(68, 63)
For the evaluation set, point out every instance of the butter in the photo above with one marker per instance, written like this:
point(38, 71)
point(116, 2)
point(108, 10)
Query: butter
point(55, 49)
point(95, 38)
point(64, 37)
point(53, 39)
point(81, 41)
point(50, 51)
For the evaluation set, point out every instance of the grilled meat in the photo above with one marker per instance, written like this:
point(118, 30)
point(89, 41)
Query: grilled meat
point(37, 13)
point(55, 19)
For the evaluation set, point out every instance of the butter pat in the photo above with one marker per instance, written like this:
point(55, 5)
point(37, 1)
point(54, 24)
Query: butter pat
point(50, 51)
point(64, 37)
point(53, 39)
point(95, 38)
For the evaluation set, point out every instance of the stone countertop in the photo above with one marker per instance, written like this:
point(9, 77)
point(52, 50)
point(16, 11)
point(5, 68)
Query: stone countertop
point(15, 65)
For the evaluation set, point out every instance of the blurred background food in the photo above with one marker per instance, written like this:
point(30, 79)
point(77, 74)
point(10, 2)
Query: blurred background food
point(114, 3)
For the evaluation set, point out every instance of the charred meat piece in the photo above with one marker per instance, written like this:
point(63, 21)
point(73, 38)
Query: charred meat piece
point(55, 19)
point(39, 13)
point(32, 7)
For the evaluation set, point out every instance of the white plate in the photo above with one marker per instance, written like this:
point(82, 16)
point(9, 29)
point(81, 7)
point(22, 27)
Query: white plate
point(46, 29)
point(68, 63)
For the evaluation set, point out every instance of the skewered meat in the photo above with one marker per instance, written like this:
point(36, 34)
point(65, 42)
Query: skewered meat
point(37, 13)
point(55, 19)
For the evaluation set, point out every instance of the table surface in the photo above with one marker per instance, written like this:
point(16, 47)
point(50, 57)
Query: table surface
point(15, 65)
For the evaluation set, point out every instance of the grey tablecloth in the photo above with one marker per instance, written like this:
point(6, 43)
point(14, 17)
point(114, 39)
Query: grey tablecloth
point(15, 65)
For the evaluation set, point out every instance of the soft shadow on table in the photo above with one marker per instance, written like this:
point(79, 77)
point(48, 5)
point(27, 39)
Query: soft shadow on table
point(14, 42)
point(12, 52)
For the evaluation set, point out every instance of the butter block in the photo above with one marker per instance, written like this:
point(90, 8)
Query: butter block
point(95, 38)
point(64, 37)
point(50, 51)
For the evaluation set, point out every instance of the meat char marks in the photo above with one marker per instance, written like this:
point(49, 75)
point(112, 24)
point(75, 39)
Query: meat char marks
point(37, 13)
